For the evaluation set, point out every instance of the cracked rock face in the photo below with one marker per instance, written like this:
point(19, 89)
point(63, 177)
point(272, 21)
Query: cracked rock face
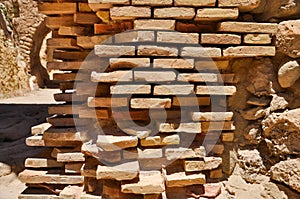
point(287, 172)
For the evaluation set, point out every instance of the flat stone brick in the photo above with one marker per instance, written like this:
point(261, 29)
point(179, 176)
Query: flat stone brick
point(40, 129)
point(212, 162)
point(212, 65)
point(212, 38)
point(73, 30)
point(125, 171)
point(115, 143)
point(183, 128)
point(216, 90)
point(129, 12)
point(180, 179)
point(157, 51)
point(212, 116)
point(216, 14)
point(99, 6)
point(227, 137)
point(212, 190)
point(124, 2)
point(57, 8)
point(191, 101)
point(42, 163)
point(171, 140)
point(174, 12)
point(195, 2)
point(130, 89)
point(154, 76)
point(243, 5)
point(250, 51)
point(117, 63)
point(150, 153)
point(184, 153)
point(217, 126)
point(149, 103)
point(153, 2)
point(70, 157)
point(135, 36)
point(257, 39)
point(173, 89)
point(73, 168)
point(112, 28)
point(197, 77)
point(174, 63)
point(154, 24)
point(201, 52)
point(114, 51)
point(107, 102)
point(161, 140)
point(89, 42)
point(115, 76)
point(176, 37)
point(248, 27)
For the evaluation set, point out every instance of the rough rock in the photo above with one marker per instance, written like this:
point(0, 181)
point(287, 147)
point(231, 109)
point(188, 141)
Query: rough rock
point(289, 73)
point(278, 103)
point(281, 131)
point(253, 113)
point(288, 38)
point(253, 134)
point(287, 172)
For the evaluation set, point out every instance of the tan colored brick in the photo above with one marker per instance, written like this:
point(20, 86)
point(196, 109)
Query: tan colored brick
point(227, 137)
point(152, 2)
point(173, 89)
point(201, 52)
point(216, 14)
point(243, 5)
point(181, 179)
point(190, 101)
point(147, 50)
point(129, 13)
point(211, 38)
point(86, 18)
point(197, 77)
point(216, 90)
point(171, 140)
point(130, 89)
point(176, 37)
point(40, 129)
point(62, 43)
point(257, 39)
point(129, 62)
point(114, 143)
point(184, 153)
point(149, 103)
point(99, 6)
point(250, 51)
point(183, 128)
point(89, 42)
point(212, 65)
point(154, 24)
point(161, 140)
point(125, 171)
point(57, 8)
point(104, 15)
point(42, 163)
point(174, 12)
point(248, 27)
point(195, 2)
point(150, 153)
point(174, 63)
point(57, 22)
point(73, 30)
point(70, 157)
point(115, 76)
point(124, 2)
point(84, 7)
point(212, 116)
point(107, 102)
point(114, 51)
point(35, 140)
point(209, 163)
point(154, 76)
point(135, 36)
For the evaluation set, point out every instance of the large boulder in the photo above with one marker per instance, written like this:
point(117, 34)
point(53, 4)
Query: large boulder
point(287, 172)
point(288, 74)
point(288, 38)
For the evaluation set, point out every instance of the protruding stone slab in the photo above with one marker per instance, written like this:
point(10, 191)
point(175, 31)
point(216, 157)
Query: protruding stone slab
point(70, 157)
point(40, 129)
point(36, 140)
point(250, 51)
point(154, 76)
point(209, 163)
point(150, 182)
point(180, 179)
point(216, 90)
point(125, 171)
point(161, 140)
point(107, 102)
point(42, 163)
point(129, 12)
point(174, 12)
point(243, 5)
point(173, 89)
point(130, 89)
point(177, 37)
point(174, 63)
point(182, 128)
point(114, 143)
point(212, 116)
point(201, 52)
point(117, 63)
point(150, 153)
point(184, 153)
point(147, 50)
point(248, 27)
point(115, 76)
point(154, 24)
point(148, 103)
point(212, 38)
point(216, 14)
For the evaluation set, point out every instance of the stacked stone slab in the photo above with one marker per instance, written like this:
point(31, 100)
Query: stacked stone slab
point(170, 56)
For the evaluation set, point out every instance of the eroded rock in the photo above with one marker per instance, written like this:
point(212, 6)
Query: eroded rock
point(289, 73)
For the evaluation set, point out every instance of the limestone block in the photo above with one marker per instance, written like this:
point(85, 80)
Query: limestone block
point(176, 37)
point(173, 89)
point(212, 38)
point(174, 63)
point(216, 14)
point(154, 76)
point(147, 50)
point(250, 51)
point(248, 27)
point(129, 13)
point(130, 89)
point(114, 143)
point(149, 103)
point(154, 24)
point(174, 12)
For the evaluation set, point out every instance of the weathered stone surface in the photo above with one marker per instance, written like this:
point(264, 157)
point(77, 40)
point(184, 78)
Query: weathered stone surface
point(195, 2)
point(117, 63)
point(70, 157)
point(211, 190)
point(150, 182)
point(183, 153)
point(107, 102)
point(157, 51)
point(150, 153)
point(125, 171)
point(248, 27)
point(177, 37)
point(243, 5)
point(129, 12)
point(130, 89)
point(5, 169)
point(114, 51)
point(182, 128)
point(115, 76)
point(73, 168)
point(253, 113)
point(124, 2)
point(41, 163)
point(174, 63)
point(201, 52)
point(211, 38)
point(88, 42)
point(216, 174)
point(174, 12)
point(173, 89)
point(152, 2)
point(154, 76)
point(154, 24)
point(216, 90)
point(57, 8)
point(180, 179)
point(71, 192)
point(288, 74)
point(287, 172)
point(249, 51)
point(197, 77)
point(40, 129)
point(134, 36)
point(190, 101)
point(212, 116)
point(148, 103)
point(212, 162)
point(36, 140)
point(278, 103)
point(114, 143)
point(216, 14)
point(257, 39)
point(140, 132)
point(212, 65)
